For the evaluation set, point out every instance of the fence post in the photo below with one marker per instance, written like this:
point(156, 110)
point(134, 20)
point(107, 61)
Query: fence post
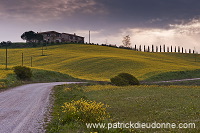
point(6, 57)
point(31, 61)
point(22, 58)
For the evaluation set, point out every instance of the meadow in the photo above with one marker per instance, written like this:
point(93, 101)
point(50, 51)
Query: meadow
point(99, 63)
point(144, 103)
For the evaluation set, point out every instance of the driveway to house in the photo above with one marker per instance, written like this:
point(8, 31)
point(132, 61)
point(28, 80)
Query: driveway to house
point(23, 108)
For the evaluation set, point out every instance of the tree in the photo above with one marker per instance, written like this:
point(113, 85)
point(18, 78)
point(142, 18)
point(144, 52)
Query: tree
point(38, 37)
point(28, 36)
point(127, 41)
point(31, 36)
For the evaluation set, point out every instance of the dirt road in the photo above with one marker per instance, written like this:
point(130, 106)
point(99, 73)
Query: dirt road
point(23, 108)
point(179, 80)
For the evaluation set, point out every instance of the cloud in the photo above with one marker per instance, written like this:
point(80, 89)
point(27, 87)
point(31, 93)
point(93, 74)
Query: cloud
point(190, 28)
point(185, 35)
point(48, 9)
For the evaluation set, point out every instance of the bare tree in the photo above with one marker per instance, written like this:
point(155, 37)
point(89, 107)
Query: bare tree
point(127, 41)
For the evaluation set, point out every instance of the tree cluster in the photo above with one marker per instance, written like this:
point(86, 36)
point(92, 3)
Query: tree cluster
point(31, 36)
point(3, 44)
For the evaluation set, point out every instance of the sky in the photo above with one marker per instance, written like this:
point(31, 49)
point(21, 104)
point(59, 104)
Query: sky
point(147, 22)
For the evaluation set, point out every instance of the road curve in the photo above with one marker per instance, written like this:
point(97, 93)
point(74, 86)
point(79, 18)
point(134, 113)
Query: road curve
point(23, 108)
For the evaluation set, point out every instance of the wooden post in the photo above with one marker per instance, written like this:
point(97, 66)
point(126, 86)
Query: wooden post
point(31, 62)
point(42, 50)
point(6, 57)
point(22, 58)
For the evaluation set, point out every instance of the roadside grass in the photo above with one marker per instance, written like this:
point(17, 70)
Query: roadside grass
point(38, 77)
point(188, 74)
point(144, 103)
point(99, 63)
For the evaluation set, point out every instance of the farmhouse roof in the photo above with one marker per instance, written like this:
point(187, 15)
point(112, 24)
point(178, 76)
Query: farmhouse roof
point(48, 32)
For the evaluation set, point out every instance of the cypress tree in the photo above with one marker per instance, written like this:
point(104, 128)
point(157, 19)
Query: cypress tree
point(160, 48)
point(152, 48)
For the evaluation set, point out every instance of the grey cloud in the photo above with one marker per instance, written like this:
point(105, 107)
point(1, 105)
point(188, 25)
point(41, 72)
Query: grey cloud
point(49, 9)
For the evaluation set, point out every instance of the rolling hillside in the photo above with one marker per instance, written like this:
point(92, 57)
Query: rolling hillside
point(98, 62)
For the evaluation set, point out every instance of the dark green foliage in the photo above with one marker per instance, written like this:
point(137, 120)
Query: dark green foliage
point(23, 73)
point(119, 81)
point(124, 79)
point(31, 36)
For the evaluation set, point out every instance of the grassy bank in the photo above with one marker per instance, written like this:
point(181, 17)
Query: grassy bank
point(39, 76)
point(172, 104)
point(175, 75)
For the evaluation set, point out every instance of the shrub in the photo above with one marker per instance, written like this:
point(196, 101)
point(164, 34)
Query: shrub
point(119, 81)
point(85, 111)
point(23, 73)
point(124, 79)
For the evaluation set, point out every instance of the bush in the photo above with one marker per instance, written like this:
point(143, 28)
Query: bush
point(85, 111)
point(23, 73)
point(124, 79)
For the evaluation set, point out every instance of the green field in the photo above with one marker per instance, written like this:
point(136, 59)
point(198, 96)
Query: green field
point(145, 104)
point(99, 62)
point(72, 62)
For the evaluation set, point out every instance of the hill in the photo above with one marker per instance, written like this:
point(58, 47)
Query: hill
point(98, 62)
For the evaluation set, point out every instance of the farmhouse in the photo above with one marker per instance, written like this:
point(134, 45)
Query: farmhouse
point(53, 36)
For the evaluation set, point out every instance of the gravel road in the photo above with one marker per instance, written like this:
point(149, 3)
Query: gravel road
point(23, 108)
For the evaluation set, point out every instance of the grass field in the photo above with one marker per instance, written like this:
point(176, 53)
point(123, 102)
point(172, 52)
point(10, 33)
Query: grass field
point(39, 76)
point(137, 103)
point(98, 62)
point(145, 104)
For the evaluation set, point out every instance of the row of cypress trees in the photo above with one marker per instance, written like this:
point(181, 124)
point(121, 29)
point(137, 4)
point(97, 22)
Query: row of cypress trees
point(163, 48)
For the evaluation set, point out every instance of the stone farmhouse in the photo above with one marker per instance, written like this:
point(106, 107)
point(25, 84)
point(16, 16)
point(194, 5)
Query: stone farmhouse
point(53, 36)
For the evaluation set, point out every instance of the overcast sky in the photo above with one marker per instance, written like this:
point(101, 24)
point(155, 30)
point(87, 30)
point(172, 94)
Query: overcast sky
point(170, 22)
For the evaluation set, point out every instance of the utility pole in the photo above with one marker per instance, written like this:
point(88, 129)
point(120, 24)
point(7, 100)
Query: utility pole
point(195, 55)
point(89, 36)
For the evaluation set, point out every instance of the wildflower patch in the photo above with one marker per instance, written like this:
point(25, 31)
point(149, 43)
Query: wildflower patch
point(86, 111)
